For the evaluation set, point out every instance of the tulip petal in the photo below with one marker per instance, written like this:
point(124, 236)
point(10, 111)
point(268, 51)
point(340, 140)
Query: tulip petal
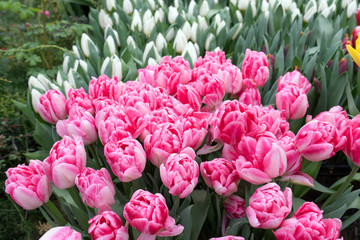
point(354, 54)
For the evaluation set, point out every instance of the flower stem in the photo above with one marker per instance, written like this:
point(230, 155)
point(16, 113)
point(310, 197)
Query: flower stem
point(342, 188)
point(94, 154)
point(75, 196)
point(55, 213)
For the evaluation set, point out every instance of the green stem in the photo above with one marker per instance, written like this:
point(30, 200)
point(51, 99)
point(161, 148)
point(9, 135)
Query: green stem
point(342, 188)
point(16, 207)
point(176, 204)
point(95, 156)
point(76, 197)
point(55, 213)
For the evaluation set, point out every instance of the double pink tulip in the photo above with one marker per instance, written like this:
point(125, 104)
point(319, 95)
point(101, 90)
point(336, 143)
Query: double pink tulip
point(269, 206)
point(352, 134)
point(228, 238)
point(149, 214)
point(66, 159)
point(96, 187)
point(234, 207)
point(79, 99)
point(104, 87)
point(61, 233)
point(28, 186)
point(292, 101)
point(51, 106)
point(107, 225)
point(255, 69)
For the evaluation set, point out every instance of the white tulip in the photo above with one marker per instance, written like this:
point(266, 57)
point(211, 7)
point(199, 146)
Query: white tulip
point(294, 13)
point(152, 4)
point(59, 78)
point(136, 21)
point(234, 2)
point(149, 22)
point(108, 31)
point(194, 29)
point(110, 4)
point(65, 64)
point(197, 48)
point(104, 19)
point(83, 65)
point(333, 7)
point(71, 77)
point(170, 34)
point(310, 10)
point(34, 82)
point(54, 87)
point(76, 51)
point(159, 16)
point(35, 98)
point(253, 7)
point(217, 20)
point(130, 42)
point(116, 17)
point(202, 23)
point(67, 86)
point(323, 4)
point(104, 65)
point(187, 30)
point(161, 3)
point(351, 9)
point(148, 47)
point(152, 62)
point(116, 67)
point(239, 16)
point(345, 3)
point(238, 29)
point(180, 41)
point(191, 7)
point(160, 42)
point(208, 41)
point(285, 4)
point(76, 65)
point(127, 7)
point(44, 80)
point(216, 1)
point(111, 44)
point(221, 26)
point(173, 14)
point(204, 8)
point(243, 4)
point(190, 49)
point(85, 41)
point(176, 3)
point(265, 6)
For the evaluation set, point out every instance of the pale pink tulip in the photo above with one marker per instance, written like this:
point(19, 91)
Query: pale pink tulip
point(337, 116)
point(96, 187)
point(80, 123)
point(79, 99)
point(292, 101)
point(51, 106)
point(107, 225)
point(308, 223)
point(352, 145)
point(255, 69)
point(104, 87)
point(188, 94)
point(220, 174)
point(294, 78)
point(232, 77)
point(234, 207)
point(66, 159)
point(180, 173)
point(61, 233)
point(212, 90)
point(149, 214)
point(28, 186)
point(228, 238)
point(146, 75)
point(318, 141)
point(269, 206)
point(126, 158)
point(250, 96)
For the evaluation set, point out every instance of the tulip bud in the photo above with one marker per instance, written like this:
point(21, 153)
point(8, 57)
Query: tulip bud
point(136, 21)
point(54, 86)
point(127, 7)
point(186, 30)
point(194, 29)
point(86, 44)
point(243, 4)
point(104, 19)
point(221, 26)
point(159, 16)
point(150, 46)
point(355, 34)
point(65, 64)
point(345, 3)
point(71, 78)
point(170, 34)
point(180, 41)
point(322, 5)
point(238, 29)
point(109, 31)
point(35, 99)
point(358, 16)
point(76, 65)
point(172, 15)
point(310, 10)
point(343, 65)
point(209, 42)
point(239, 16)
point(152, 62)
point(104, 65)
point(110, 45)
point(149, 22)
point(190, 49)
point(59, 79)
point(152, 4)
point(191, 7)
point(202, 23)
point(116, 17)
point(160, 42)
point(34, 82)
point(130, 42)
point(110, 4)
point(67, 86)
point(264, 6)
point(351, 9)
point(76, 51)
point(234, 2)
point(204, 8)
point(116, 66)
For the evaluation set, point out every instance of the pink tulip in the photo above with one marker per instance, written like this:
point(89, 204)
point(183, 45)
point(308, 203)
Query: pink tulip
point(337, 116)
point(228, 238)
point(292, 101)
point(234, 207)
point(205, 66)
point(269, 206)
point(163, 142)
point(352, 145)
point(104, 87)
point(107, 225)
point(220, 174)
point(188, 94)
point(308, 223)
point(96, 187)
point(28, 186)
point(126, 158)
point(51, 106)
point(79, 99)
point(102, 103)
point(180, 173)
point(80, 123)
point(294, 78)
point(260, 159)
point(232, 77)
point(61, 233)
point(250, 96)
point(66, 159)
point(146, 75)
point(149, 214)
point(212, 90)
point(255, 69)
point(215, 57)
point(317, 140)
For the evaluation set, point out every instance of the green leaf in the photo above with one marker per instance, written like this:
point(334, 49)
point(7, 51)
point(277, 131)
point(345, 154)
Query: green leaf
point(235, 225)
point(350, 220)
point(337, 213)
point(336, 90)
point(43, 135)
point(40, 155)
point(352, 107)
point(321, 188)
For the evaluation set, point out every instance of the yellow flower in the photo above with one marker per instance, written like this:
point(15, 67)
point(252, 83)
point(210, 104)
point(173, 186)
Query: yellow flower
point(355, 53)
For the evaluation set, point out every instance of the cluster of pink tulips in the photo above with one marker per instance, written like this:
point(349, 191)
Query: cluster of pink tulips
point(171, 116)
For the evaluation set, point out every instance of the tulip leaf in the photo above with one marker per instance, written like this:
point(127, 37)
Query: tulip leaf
point(346, 198)
point(342, 180)
point(352, 107)
point(235, 225)
point(25, 109)
point(40, 155)
point(43, 135)
point(354, 217)
point(321, 188)
point(337, 213)
point(336, 90)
